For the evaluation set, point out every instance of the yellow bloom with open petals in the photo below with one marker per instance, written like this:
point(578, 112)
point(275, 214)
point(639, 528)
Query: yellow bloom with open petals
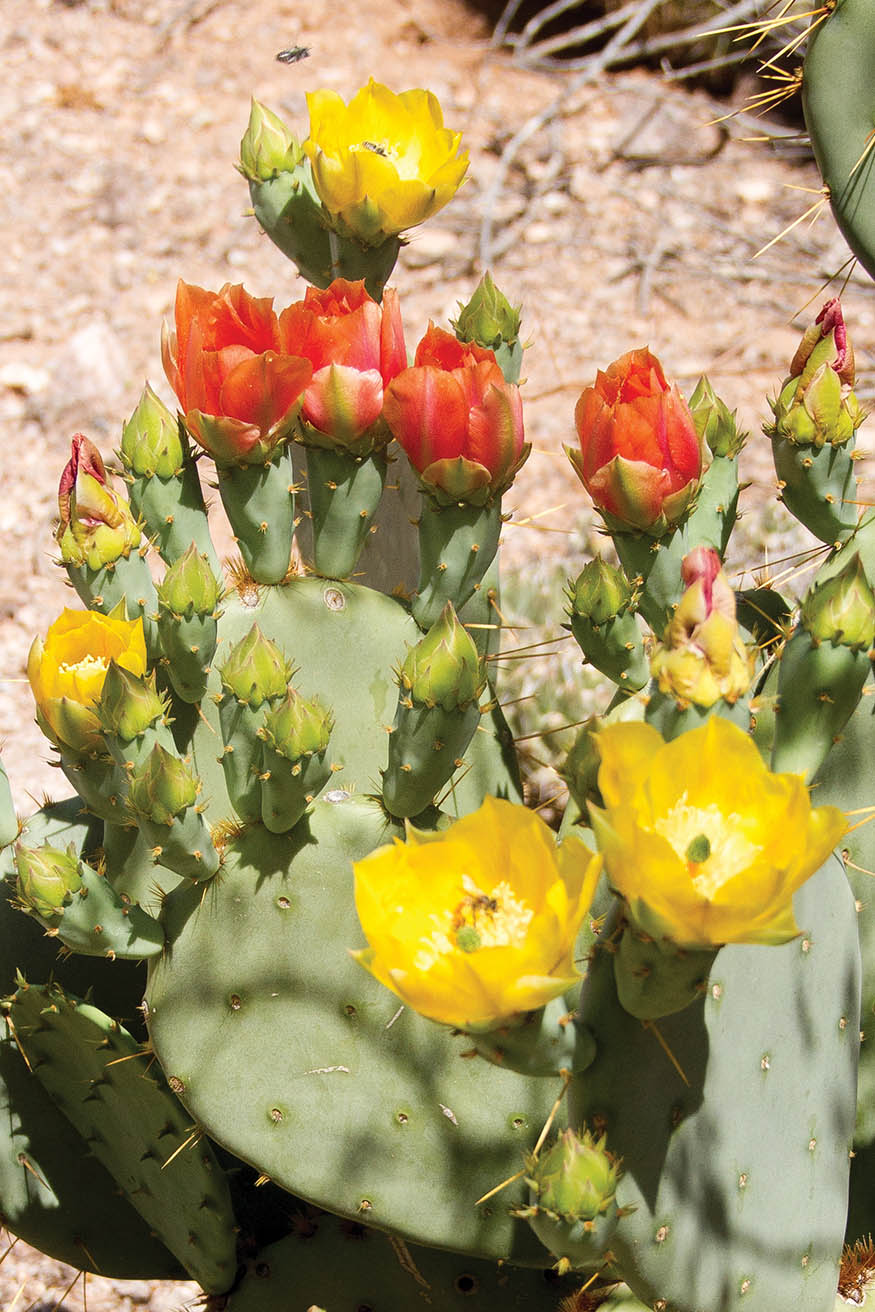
point(68, 668)
point(384, 162)
point(704, 842)
point(477, 923)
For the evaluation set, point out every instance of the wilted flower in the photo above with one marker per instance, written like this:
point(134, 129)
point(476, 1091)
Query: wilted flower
point(96, 525)
point(355, 347)
point(238, 389)
point(477, 923)
point(384, 162)
point(459, 422)
point(704, 842)
point(68, 669)
point(640, 456)
point(702, 657)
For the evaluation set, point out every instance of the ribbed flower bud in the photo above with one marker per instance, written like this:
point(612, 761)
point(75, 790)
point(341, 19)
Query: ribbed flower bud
point(714, 421)
point(445, 669)
point(298, 726)
point(574, 1209)
point(96, 525)
point(842, 610)
point(816, 405)
point(600, 592)
point(151, 444)
point(163, 787)
point(129, 703)
point(190, 587)
point(268, 146)
point(489, 318)
point(256, 670)
point(576, 1178)
point(47, 876)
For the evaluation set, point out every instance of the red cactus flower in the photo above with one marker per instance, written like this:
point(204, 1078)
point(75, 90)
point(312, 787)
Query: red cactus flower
point(640, 456)
point(457, 419)
point(238, 389)
point(355, 347)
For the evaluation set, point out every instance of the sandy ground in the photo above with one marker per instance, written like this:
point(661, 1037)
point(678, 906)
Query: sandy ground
point(629, 219)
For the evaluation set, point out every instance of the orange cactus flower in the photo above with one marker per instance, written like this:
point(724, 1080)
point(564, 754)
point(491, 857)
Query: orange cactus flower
point(356, 347)
point(640, 456)
point(238, 390)
point(457, 419)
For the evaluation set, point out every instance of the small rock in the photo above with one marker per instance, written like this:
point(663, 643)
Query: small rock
point(755, 191)
point(92, 365)
point(24, 378)
point(430, 245)
point(539, 234)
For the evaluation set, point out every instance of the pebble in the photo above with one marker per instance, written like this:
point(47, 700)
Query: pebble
point(28, 379)
point(92, 365)
point(429, 245)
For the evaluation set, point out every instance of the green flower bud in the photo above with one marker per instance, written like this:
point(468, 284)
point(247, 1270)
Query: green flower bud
point(444, 669)
point(580, 769)
point(190, 587)
point(714, 422)
point(489, 318)
point(268, 147)
point(298, 726)
point(129, 704)
point(151, 441)
point(256, 670)
point(47, 877)
point(600, 592)
point(575, 1179)
point(163, 787)
point(842, 609)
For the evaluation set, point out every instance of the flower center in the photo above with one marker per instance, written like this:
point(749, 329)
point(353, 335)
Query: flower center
point(481, 919)
point(87, 667)
point(712, 844)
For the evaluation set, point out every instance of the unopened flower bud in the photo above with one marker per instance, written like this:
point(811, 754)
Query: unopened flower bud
point(714, 421)
point(842, 609)
point(190, 587)
point(574, 1208)
point(491, 321)
point(47, 876)
point(600, 592)
point(151, 443)
point(268, 146)
point(129, 703)
point(256, 670)
point(96, 525)
point(702, 657)
point(298, 726)
point(816, 405)
point(444, 669)
point(163, 787)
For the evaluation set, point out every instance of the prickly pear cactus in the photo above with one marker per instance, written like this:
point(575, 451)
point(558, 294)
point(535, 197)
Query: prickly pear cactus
point(556, 1065)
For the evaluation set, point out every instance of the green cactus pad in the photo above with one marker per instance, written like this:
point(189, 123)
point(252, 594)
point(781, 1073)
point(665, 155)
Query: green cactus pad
point(838, 98)
point(335, 1265)
point(737, 1168)
point(104, 1082)
point(345, 640)
point(299, 1062)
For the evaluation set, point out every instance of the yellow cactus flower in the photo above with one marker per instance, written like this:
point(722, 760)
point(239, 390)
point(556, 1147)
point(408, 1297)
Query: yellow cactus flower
point(704, 842)
point(67, 670)
point(477, 923)
point(384, 162)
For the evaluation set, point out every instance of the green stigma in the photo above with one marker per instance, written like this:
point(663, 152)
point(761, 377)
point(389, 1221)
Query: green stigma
point(699, 849)
point(468, 939)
